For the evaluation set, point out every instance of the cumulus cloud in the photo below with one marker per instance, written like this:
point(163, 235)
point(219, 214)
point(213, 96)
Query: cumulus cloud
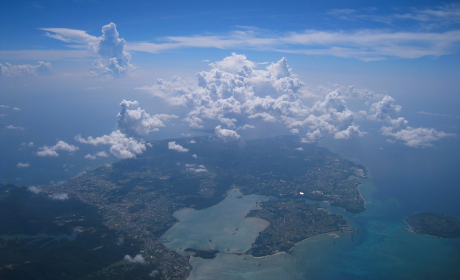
point(34, 189)
point(22, 165)
point(121, 145)
point(233, 63)
point(30, 144)
point(416, 137)
point(194, 155)
point(59, 196)
point(399, 128)
point(226, 133)
point(96, 155)
point(132, 120)
point(350, 132)
point(137, 259)
point(234, 91)
point(176, 147)
point(196, 168)
point(385, 108)
point(114, 60)
point(41, 69)
point(312, 136)
point(47, 151)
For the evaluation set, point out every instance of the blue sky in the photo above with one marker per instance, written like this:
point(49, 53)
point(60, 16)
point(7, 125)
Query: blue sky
point(88, 81)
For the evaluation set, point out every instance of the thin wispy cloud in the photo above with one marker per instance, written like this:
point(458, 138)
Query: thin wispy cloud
point(428, 18)
point(394, 40)
point(365, 45)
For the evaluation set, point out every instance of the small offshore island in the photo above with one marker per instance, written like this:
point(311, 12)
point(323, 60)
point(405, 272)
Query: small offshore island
point(436, 224)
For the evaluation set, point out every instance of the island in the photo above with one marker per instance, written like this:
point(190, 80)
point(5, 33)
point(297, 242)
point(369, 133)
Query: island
point(436, 224)
point(135, 199)
point(204, 254)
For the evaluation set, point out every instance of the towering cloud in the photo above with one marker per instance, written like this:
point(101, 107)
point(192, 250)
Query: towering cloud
point(121, 145)
point(114, 60)
point(133, 120)
point(234, 92)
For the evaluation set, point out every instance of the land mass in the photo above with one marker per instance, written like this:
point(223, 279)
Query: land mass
point(204, 254)
point(437, 224)
point(136, 198)
point(291, 221)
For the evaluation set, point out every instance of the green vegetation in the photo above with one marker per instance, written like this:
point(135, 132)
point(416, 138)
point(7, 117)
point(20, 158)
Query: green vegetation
point(135, 198)
point(205, 254)
point(437, 224)
point(291, 221)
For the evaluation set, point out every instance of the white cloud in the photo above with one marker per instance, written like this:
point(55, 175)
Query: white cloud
point(14, 127)
point(59, 196)
point(121, 145)
point(229, 95)
point(135, 121)
point(246, 126)
point(226, 133)
point(233, 63)
point(137, 259)
point(416, 137)
point(194, 155)
point(96, 155)
point(114, 59)
point(384, 108)
point(196, 168)
point(427, 18)
point(47, 151)
point(90, 156)
point(9, 70)
point(366, 45)
point(16, 109)
point(299, 149)
point(176, 147)
point(34, 189)
point(4, 106)
point(312, 136)
point(154, 273)
point(22, 165)
point(351, 131)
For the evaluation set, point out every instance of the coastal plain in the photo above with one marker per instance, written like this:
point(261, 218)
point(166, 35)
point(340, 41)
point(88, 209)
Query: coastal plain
point(136, 198)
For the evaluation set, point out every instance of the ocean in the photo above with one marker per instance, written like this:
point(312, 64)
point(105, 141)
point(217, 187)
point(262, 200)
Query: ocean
point(402, 181)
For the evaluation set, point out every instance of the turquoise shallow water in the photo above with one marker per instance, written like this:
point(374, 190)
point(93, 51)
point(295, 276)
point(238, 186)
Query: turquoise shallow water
point(221, 227)
point(382, 249)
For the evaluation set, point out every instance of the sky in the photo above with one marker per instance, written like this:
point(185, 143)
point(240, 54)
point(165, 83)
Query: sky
point(87, 82)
